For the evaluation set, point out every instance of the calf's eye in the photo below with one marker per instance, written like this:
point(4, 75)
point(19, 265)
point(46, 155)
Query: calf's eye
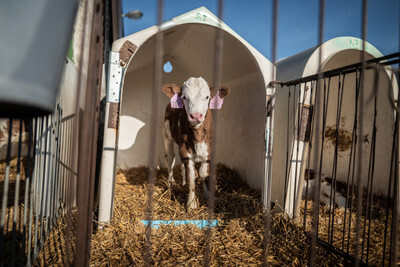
point(207, 97)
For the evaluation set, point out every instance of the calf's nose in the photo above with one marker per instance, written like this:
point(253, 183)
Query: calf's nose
point(196, 116)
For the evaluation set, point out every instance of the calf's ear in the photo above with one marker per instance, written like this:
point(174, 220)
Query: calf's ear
point(217, 97)
point(222, 91)
point(170, 89)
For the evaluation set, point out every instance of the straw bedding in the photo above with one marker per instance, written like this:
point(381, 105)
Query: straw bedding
point(237, 240)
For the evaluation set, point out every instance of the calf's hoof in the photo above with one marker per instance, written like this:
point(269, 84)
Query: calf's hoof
point(191, 205)
point(171, 181)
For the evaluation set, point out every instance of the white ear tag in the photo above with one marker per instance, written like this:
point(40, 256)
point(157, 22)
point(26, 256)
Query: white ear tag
point(176, 101)
point(216, 102)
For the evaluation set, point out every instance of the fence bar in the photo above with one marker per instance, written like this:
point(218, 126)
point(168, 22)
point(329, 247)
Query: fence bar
point(217, 78)
point(321, 21)
point(87, 144)
point(26, 195)
point(16, 195)
point(269, 138)
point(359, 196)
point(32, 191)
point(154, 126)
point(5, 191)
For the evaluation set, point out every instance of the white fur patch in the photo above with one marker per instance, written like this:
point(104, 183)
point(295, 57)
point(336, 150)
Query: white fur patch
point(325, 192)
point(203, 170)
point(3, 125)
point(196, 96)
point(201, 151)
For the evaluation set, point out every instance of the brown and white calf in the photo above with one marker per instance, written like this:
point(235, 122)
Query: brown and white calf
point(189, 124)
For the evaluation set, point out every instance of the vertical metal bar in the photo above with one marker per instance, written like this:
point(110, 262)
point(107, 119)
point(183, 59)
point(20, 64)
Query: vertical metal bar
point(217, 76)
point(360, 133)
point(292, 142)
point(75, 138)
point(154, 126)
point(37, 192)
point(299, 185)
point(59, 142)
point(26, 195)
point(321, 151)
point(5, 190)
point(51, 174)
point(269, 144)
point(68, 191)
point(287, 149)
point(371, 169)
point(32, 192)
point(297, 111)
point(61, 185)
point(335, 160)
point(312, 103)
point(350, 173)
point(391, 179)
point(53, 214)
point(49, 178)
point(44, 186)
point(56, 164)
point(16, 197)
point(317, 147)
point(394, 238)
point(88, 129)
point(396, 206)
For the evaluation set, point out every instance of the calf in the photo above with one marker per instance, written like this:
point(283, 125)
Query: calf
point(189, 124)
point(325, 193)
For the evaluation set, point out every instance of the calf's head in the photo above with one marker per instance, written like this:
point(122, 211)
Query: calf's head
point(196, 97)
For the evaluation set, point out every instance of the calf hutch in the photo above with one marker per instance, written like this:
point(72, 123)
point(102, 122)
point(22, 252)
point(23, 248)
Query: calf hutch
point(188, 51)
point(330, 127)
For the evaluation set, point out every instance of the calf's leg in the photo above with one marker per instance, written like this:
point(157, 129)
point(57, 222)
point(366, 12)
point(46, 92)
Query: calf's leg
point(191, 179)
point(169, 153)
point(183, 172)
point(204, 173)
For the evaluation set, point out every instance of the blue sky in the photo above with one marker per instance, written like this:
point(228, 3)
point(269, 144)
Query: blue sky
point(297, 21)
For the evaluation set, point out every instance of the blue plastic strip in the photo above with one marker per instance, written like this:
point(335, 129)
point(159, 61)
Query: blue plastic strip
point(199, 223)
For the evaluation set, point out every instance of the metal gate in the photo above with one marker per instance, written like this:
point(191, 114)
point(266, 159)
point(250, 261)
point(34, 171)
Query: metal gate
point(339, 173)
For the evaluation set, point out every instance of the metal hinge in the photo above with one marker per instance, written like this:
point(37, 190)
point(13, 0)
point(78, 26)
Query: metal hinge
point(114, 79)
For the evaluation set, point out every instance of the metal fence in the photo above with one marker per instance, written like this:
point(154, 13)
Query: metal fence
point(346, 154)
point(38, 184)
point(47, 173)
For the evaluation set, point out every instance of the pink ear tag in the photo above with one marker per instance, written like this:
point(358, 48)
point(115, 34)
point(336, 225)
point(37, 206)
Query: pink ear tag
point(176, 101)
point(216, 102)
